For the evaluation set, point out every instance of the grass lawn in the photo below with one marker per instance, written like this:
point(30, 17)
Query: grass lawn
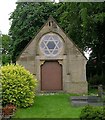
point(50, 106)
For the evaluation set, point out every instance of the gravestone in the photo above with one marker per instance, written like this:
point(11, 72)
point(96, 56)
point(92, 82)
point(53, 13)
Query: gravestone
point(100, 91)
point(90, 100)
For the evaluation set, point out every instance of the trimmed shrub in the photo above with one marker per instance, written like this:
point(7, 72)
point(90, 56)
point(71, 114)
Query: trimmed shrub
point(92, 113)
point(18, 86)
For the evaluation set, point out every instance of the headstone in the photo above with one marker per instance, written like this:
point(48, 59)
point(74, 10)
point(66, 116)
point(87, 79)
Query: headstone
point(100, 91)
point(86, 100)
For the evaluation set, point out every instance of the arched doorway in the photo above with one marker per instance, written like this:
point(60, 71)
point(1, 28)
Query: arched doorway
point(51, 76)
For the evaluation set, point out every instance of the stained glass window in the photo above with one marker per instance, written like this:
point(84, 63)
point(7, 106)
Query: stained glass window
point(51, 44)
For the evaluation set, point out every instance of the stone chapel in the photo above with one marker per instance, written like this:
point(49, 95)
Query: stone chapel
point(55, 60)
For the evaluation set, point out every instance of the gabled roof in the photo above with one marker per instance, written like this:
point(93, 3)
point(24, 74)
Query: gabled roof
point(52, 19)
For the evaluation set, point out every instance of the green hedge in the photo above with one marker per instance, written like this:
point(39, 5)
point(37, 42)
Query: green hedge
point(18, 86)
point(92, 113)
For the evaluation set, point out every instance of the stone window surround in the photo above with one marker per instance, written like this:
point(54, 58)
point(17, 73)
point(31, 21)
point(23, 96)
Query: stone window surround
point(45, 44)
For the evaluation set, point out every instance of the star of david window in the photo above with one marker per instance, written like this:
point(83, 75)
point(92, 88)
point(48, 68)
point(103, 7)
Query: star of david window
point(51, 44)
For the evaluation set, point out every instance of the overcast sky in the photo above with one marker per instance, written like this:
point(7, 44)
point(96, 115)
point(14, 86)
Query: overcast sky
point(6, 7)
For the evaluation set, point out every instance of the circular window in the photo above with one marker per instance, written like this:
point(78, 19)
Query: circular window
point(51, 44)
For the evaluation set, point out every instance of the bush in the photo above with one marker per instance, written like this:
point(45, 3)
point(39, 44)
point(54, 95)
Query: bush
point(92, 113)
point(18, 86)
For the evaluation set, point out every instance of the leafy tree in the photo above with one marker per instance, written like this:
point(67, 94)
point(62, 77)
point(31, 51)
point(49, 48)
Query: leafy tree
point(79, 20)
point(6, 57)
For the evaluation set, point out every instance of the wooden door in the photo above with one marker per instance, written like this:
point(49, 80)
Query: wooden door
point(51, 76)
